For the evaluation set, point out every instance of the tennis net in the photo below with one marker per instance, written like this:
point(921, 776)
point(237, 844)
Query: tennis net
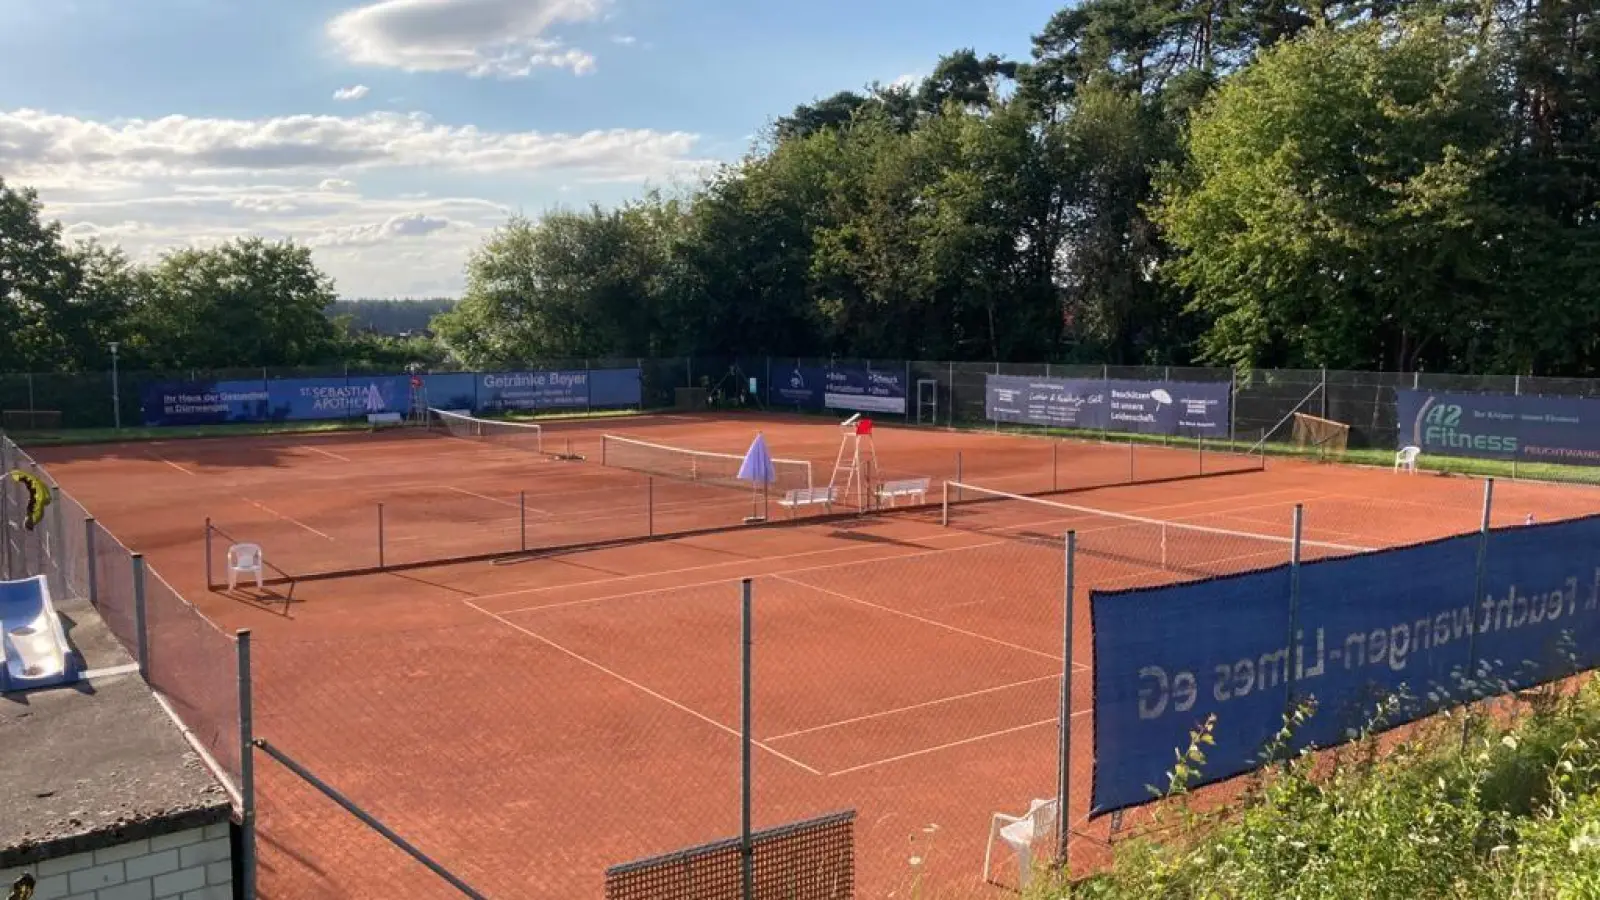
point(519, 435)
point(1148, 543)
point(696, 465)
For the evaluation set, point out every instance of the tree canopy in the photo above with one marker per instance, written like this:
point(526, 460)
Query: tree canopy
point(1353, 183)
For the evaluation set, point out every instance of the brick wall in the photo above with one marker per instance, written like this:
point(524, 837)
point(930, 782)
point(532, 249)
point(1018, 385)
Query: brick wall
point(185, 865)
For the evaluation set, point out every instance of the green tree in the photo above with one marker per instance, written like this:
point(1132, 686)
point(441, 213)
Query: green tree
point(1337, 209)
point(572, 284)
point(247, 302)
point(58, 303)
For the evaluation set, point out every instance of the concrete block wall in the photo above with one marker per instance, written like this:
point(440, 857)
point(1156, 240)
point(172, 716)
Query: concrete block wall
point(196, 864)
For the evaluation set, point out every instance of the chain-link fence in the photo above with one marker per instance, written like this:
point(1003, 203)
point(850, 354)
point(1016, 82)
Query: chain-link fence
point(935, 392)
point(1261, 402)
point(180, 652)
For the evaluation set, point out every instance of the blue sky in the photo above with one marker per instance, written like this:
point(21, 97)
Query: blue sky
point(394, 135)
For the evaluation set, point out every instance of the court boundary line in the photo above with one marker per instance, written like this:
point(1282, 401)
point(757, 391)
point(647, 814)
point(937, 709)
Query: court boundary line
point(923, 619)
point(732, 562)
point(159, 458)
point(946, 746)
point(942, 534)
point(451, 487)
point(636, 685)
point(327, 453)
point(264, 508)
point(915, 706)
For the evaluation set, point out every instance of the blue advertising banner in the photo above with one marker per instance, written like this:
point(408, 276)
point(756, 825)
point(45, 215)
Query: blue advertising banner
point(211, 402)
point(854, 387)
point(615, 387)
point(455, 391)
point(499, 391)
point(204, 402)
point(336, 398)
point(1192, 408)
point(1368, 627)
point(1501, 426)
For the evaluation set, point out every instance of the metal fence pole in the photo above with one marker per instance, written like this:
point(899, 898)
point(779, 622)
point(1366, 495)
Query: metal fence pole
point(1064, 708)
point(1292, 659)
point(522, 518)
point(944, 505)
point(1477, 595)
point(380, 535)
point(388, 833)
point(950, 416)
point(89, 554)
point(1233, 405)
point(746, 849)
point(5, 518)
point(905, 388)
point(1324, 392)
point(140, 620)
point(247, 770)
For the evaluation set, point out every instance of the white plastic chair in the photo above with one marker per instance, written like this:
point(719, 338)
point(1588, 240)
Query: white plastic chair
point(1407, 459)
point(244, 559)
point(1019, 832)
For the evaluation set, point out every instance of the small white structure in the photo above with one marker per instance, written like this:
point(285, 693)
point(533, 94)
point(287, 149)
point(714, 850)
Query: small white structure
point(1407, 459)
point(889, 492)
point(1019, 833)
point(825, 497)
point(245, 559)
point(33, 646)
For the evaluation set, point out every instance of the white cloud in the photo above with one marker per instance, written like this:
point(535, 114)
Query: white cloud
point(408, 225)
point(908, 80)
point(40, 148)
point(152, 185)
point(626, 40)
point(483, 38)
point(353, 92)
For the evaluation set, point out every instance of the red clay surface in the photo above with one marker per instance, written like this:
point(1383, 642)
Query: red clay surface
point(529, 724)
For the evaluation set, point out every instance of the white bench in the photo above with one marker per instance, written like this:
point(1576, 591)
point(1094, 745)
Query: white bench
point(822, 496)
point(379, 419)
point(906, 487)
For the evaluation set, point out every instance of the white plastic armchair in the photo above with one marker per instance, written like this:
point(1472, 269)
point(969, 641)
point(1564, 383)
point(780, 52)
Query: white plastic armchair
point(1020, 833)
point(1407, 459)
point(244, 559)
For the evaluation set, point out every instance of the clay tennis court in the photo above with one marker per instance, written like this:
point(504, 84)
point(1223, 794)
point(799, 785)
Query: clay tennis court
point(530, 720)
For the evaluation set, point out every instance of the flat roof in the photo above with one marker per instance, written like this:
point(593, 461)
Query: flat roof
point(99, 762)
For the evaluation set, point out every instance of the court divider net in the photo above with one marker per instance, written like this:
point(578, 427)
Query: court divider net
point(1165, 545)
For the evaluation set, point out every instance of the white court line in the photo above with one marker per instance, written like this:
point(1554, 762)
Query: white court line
point(169, 462)
point(324, 452)
point(914, 706)
point(724, 580)
point(285, 518)
point(486, 497)
point(925, 751)
point(923, 619)
point(634, 684)
point(938, 536)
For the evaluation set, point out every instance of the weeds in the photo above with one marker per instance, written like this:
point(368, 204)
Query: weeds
point(1504, 807)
